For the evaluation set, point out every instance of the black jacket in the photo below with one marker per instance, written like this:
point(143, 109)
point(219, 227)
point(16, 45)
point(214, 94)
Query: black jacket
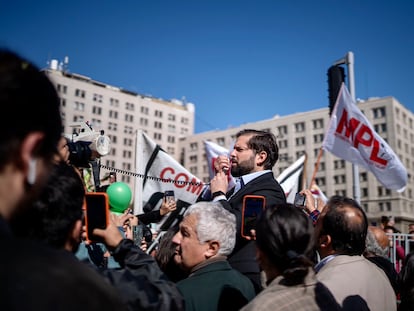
point(143, 286)
point(36, 277)
point(243, 257)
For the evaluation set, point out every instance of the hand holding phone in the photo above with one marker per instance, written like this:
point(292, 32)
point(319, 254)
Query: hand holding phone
point(300, 200)
point(97, 214)
point(169, 196)
point(253, 206)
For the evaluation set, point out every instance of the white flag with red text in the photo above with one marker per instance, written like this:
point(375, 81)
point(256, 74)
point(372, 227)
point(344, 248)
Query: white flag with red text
point(351, 137)
point(162, 172)
point(291, 179)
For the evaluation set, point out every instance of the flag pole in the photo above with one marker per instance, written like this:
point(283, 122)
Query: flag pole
point(349, 61)
point(139, 168)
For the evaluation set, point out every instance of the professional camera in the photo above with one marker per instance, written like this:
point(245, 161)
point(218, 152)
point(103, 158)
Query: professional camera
point(86, 145)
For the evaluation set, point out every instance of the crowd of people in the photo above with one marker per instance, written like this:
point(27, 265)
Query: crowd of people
point(321, 256)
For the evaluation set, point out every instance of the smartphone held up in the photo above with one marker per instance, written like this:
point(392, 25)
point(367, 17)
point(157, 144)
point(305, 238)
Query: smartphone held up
point(169, 196)
point(97, 213)
point(253, 206)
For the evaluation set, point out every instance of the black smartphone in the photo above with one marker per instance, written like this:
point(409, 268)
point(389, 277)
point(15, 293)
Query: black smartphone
point(169, 196)
point(97, 213)
point(253, 206)
point(300, 200)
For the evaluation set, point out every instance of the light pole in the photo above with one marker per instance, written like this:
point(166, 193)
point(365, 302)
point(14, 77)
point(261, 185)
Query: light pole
point(349, 61)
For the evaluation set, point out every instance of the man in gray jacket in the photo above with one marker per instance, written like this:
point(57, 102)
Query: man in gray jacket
point(355, 282)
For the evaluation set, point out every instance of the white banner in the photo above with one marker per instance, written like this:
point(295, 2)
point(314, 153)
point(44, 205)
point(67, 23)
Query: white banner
point(291, 179)
point(163, 172)
point(351, 137)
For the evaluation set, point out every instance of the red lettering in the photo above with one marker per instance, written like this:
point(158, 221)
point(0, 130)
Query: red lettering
point(361, 139)
point(374, 154)
point(195, 187)
point(181, 180)
point(349, 126)
point(363, 136)
point(165, 170)
point(181, 183)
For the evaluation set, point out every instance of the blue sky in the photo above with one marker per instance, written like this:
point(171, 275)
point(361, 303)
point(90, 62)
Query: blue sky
point(237, 61)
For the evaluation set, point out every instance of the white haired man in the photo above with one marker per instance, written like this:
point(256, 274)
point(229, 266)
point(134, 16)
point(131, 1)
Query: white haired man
point(207, 235)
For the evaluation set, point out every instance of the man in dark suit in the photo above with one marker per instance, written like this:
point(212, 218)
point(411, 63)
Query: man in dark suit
point(251, 161)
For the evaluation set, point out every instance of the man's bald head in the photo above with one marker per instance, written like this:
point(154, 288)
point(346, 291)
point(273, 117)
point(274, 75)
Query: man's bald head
point(346, 223)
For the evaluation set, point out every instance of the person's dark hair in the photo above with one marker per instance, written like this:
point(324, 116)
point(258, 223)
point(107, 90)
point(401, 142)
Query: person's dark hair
point(405, 282)
point(285, 235)
point(165, 256)
point(262, 141)
point(29, 103)
point(55, 212)
point(348, 234)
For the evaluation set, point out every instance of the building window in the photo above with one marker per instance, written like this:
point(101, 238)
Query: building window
point(97, 110)
point(112, 126)
point(143, 121)
point(78, 106)
point(339, 164)
point(62, 88)
point(318, 138)
point(97, 98)
point(158, 125)
point(128, 129)
point(144, 110)
point(171, 139)
point(158, 113)
point(184, 121)
point(77, 118)
point(113, 114)
point(299, 127)
point(63, 102)
point(80, 93)
point(127, 142)
point(129, 106)
point(193, 146)
point(171, 128)
point(282, 130)
point(380, 128)
point(171, 117)
point(317, 124)
point(283, 143)
point(339, 179)
point(300, 141)
point(113, 139)
point(378, 112)
point(157, 136)
point(113, 102)
point(129, 117)
point(320, 181)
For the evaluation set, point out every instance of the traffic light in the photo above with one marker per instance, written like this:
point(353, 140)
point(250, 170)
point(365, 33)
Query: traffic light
point(336, 75)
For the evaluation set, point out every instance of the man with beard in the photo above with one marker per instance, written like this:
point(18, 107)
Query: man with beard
point(251, 161)
point(33, 276)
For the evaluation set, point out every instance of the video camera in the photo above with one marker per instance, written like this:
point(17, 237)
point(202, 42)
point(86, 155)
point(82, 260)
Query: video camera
point(86, 145)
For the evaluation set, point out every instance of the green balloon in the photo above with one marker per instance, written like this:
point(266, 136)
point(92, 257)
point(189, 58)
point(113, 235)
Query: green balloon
point(119, 195)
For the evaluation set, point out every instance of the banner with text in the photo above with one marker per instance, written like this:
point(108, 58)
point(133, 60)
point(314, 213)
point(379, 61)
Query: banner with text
point(351, 137)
